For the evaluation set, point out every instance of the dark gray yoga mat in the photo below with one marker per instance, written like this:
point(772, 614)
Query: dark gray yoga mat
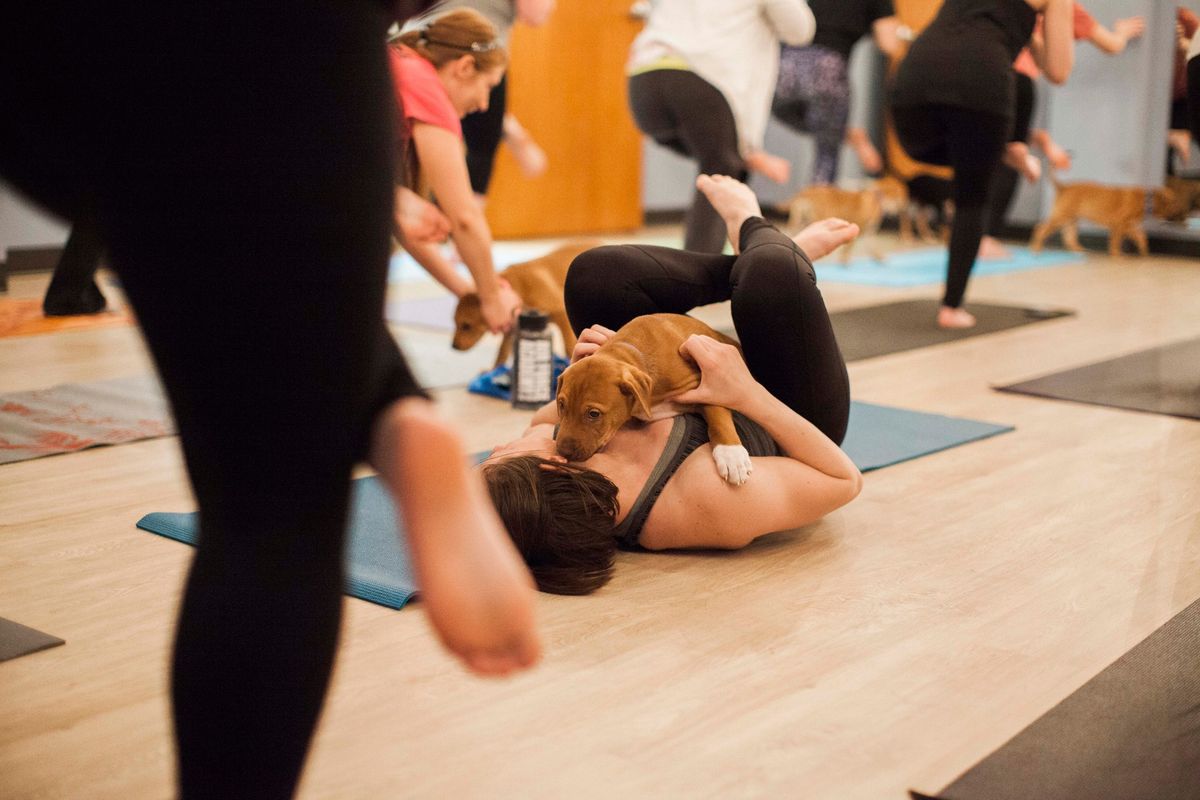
point(1163, 380)
point(18, 640)
point(910, 324)
point(1130, 733)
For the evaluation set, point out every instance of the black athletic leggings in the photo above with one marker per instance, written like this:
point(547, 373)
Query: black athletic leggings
point(238, 158)
point(1005, 178)
point(778, 311)
point(483, 131)
point(1193, 96)
point(971, 142)
point(687, 114)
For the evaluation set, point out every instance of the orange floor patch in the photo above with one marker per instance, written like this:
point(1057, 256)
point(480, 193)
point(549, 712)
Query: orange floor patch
point(25, 318)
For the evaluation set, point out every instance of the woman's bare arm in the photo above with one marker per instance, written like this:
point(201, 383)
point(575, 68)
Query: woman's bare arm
point(444, 167)
point(814, 478)
point(1054, 50)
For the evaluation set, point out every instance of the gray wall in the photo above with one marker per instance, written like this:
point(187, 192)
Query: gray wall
point(25, 225)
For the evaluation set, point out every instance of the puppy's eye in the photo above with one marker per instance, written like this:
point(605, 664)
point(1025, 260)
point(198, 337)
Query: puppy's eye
point(594, 413)
point(465, 326)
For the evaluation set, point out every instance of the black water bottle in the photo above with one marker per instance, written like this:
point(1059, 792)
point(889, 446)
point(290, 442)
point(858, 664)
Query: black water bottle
point(533, 364)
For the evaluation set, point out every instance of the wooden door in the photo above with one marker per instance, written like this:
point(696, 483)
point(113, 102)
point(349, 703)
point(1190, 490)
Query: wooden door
point(567, 87)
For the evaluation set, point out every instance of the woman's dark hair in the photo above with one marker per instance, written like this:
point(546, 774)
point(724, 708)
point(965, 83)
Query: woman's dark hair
point(561, 517)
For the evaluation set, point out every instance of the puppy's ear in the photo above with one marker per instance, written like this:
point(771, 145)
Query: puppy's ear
point(636, 384)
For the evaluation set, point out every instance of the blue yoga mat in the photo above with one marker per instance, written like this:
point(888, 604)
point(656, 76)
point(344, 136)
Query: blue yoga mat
point(377, 564)
point(928, 265)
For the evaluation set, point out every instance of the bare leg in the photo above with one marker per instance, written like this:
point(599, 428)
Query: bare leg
point(736, 203)
point(478, 595)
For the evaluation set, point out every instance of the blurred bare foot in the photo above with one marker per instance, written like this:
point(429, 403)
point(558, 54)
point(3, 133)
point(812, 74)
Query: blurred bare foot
point(954, 318)
point(864, 148)
point(991, 248)
point(475, 589)
point(733, 200)
point(771, 167)
point(1017, 156)
point(824, 236)
point(530, 157)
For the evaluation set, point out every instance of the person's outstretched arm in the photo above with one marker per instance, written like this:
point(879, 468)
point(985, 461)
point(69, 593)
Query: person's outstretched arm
point(1123, 32)
point(440, 154)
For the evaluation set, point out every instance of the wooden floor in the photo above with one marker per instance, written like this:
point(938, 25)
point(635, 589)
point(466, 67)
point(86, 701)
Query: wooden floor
point(889, 647)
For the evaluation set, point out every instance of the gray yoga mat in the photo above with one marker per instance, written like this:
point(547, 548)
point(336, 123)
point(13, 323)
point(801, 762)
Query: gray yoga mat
point(377, 563)
point(434, 313)
point(1130, 733)
point(909, 324)
point(19, 640)
point(1163, 380)
point(75, 416)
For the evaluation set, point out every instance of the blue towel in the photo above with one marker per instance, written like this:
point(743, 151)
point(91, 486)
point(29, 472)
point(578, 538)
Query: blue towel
point(928, 265)
point(498, 382)
point(377, 563)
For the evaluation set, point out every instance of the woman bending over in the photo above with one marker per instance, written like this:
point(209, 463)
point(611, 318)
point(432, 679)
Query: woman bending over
point(444, 71)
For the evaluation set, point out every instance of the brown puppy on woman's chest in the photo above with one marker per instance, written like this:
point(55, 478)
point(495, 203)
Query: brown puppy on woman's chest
point(634, 375)
point(1121, 209)
point(539, 283)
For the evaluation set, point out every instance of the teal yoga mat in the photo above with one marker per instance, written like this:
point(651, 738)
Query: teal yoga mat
point(928, 265)
point(378, 567)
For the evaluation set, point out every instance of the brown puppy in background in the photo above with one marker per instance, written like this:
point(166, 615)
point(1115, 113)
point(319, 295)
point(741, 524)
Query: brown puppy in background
point(634, 375)
point(539, 284)
point(1121, 209)
point(863, 207)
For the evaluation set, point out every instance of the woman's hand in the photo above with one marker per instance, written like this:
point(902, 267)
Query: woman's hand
point(590, 341)
point(725, 380)
point(500, 309)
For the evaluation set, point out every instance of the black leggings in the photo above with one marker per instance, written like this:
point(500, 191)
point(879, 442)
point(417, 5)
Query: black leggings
point(238, 159)
point(1193, 96)
point(1005, 178)
point(687, 114)
point(483, 131)
point(778, 311)
point(971, 142)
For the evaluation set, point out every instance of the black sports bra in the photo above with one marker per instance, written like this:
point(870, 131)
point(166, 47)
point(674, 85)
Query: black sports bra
point(688, 432)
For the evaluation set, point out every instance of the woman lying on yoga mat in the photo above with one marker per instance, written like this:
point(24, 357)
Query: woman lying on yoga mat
point(653, 485)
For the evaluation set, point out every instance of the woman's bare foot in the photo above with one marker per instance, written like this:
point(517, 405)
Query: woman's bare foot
point(1017, 156)
point(991, 248)
point(824, 236)
point(1059, 158)
point(771, 167)
point(865, 150)
point(530, 157)
point(733, 200)
point(950, 317)
point(476, 591)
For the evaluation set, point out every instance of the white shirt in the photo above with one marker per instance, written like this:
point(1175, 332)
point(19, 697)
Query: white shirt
point(732, 44)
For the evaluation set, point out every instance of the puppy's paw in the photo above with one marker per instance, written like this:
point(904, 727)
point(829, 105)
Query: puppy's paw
point(733, 463)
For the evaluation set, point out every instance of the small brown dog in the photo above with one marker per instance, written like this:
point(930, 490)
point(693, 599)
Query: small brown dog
point(863, 207)
point(634, 375)
point(1121, 209)
point(539, 284)
point(886, 197)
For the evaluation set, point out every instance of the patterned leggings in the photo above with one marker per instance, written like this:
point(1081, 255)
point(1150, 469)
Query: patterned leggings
point(813, 96)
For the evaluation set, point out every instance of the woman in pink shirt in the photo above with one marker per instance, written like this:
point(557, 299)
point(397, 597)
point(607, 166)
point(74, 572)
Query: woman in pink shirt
point(444, 71)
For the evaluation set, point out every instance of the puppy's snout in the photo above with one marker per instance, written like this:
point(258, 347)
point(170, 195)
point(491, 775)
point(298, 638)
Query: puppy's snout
point(572, 449)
